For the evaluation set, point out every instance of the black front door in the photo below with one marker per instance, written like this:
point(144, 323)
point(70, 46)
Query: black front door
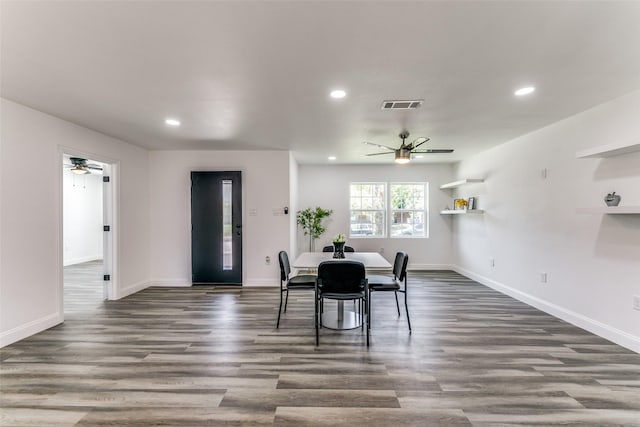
point(216, 227)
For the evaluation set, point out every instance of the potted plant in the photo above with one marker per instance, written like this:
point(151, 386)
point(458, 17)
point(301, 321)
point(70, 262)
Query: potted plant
point(338, 246)
point(311, 222)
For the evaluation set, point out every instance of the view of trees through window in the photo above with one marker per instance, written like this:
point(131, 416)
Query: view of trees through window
point(368, 209)
point(406, 209)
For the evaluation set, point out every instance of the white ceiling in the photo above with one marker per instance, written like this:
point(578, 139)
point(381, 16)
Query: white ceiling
point(256, 75)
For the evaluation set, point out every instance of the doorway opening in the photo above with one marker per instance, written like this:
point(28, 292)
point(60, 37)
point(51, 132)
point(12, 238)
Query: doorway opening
point(87, 254)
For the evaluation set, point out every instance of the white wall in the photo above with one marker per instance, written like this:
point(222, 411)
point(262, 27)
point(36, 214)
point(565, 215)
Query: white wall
point(265, 181)
point(83, 218)
point(328, 187)
point(31, 215)
point(531, 226)
point(293, 205)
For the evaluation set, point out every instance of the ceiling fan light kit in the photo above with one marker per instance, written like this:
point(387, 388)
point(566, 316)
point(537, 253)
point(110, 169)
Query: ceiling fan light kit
point(79, 170)
point(403, 156)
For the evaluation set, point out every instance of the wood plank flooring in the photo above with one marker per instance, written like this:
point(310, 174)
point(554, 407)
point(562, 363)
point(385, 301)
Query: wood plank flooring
point(212, 356)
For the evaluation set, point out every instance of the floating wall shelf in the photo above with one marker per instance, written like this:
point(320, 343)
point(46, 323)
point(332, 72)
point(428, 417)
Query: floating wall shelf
point(611, 210)
point(461, 211)
point(608, 150)
point(456, 184)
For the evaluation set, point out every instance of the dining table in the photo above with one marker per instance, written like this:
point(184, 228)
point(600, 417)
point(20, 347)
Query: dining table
point(342, 317)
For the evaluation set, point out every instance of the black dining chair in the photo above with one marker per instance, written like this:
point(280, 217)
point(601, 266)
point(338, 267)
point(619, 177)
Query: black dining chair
point(395, 284)
point(288, 282)
point(341, 280)
point(330, 249)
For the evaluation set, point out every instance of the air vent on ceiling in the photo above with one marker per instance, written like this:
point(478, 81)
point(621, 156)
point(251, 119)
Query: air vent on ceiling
point(402, 105)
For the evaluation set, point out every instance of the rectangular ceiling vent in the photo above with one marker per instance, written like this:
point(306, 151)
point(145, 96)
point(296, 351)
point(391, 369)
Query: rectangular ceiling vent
point(402, 105)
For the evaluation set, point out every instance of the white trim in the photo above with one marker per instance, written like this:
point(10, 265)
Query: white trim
point(31, 328)
point(263, 283)
point(80, 260)
point(617, 336)
point(427, 267)
point(171, 283)
point(132, 289)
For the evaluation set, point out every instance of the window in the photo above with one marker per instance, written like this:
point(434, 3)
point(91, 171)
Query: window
point(408, 213)
point(406, 207)
point(368, 209)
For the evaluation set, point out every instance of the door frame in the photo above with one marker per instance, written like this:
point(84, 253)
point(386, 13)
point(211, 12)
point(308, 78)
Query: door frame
point(245, 208)
point(109, 215)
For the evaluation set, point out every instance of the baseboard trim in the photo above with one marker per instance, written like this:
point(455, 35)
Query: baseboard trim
point(427, 267)
point(261, 283)
point(31, 328)
point(80, 260)
point(605, 331)
point(171, 283)
point(132, 289)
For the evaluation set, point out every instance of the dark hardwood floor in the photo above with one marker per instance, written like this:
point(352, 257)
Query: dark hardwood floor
point(212, 356)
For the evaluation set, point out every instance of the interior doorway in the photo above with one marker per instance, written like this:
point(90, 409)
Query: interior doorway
point(87, 244)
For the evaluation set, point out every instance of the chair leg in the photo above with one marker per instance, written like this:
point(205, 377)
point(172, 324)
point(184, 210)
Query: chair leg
point(286, 301)
point(315, 318)
point(406, 307)
point(368, 305)
point(279, 311)
point(397, 305)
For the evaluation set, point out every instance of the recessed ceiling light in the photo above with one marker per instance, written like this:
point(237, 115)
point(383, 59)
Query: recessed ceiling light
point(331, 157)
point(172, 122)
point(524, 91)
point(338, 93)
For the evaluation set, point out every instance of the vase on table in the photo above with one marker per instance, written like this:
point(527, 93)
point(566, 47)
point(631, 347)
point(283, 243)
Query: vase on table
point(338, 249)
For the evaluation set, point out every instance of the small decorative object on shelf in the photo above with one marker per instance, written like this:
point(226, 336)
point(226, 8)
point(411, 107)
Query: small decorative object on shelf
point(612, 199)
point(460, 204)
point(338, 246)
point(471, 203)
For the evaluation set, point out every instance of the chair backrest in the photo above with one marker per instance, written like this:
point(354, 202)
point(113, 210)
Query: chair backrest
point(343, 277)
point(348, 249)
point(285, 267)
point(400, 265)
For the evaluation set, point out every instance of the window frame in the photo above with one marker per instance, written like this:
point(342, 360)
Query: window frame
point(425, 210)
point(384, 210)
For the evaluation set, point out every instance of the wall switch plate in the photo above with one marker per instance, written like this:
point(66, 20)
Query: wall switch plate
point(493, 262)
point(636, 302)
point(267, 260)
point(543, 277)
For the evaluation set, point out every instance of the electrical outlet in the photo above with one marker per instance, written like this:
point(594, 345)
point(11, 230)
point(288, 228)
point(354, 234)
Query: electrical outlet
point(543, 277)
point(636, 302)
point(381, 250)
point(267, 260)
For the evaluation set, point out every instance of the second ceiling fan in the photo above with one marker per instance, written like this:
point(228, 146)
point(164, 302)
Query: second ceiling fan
point(404, 152)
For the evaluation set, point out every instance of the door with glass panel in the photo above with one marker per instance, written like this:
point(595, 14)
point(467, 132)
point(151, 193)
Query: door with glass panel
point(216, 228)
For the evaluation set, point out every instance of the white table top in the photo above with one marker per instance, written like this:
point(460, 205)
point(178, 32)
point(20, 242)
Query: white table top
point(371, 260)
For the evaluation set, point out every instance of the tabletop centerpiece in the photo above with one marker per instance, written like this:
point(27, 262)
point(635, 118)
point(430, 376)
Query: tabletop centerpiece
point(338, 246)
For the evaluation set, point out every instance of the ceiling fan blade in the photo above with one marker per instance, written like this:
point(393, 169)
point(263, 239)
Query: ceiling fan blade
point(378, 145)
point(95, 167)
point(419, 143)
point(433, 151)
point(377, 154)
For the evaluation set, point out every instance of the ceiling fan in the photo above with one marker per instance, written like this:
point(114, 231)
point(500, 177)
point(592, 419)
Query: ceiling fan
point(404, 152)
point(81, 167)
